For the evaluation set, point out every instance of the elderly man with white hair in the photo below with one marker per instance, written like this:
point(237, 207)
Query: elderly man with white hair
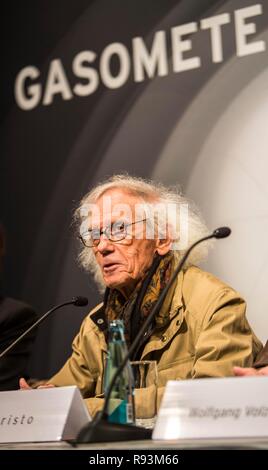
point(133, 236)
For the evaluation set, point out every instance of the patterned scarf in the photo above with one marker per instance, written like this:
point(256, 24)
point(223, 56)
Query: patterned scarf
point(137, 307)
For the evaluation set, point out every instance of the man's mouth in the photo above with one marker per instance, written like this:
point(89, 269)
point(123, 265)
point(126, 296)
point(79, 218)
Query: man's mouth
point(110, 267)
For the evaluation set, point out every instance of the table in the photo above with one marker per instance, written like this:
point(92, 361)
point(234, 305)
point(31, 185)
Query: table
point(183, 444)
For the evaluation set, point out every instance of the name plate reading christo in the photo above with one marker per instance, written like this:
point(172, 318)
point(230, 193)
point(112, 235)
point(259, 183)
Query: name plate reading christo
point(49, 414)
point(214, 408)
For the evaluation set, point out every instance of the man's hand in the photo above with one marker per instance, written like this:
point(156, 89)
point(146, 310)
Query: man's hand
point(25, 386)
point(250, 371)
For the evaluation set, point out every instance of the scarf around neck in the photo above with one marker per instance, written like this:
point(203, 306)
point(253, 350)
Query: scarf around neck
point(134, 310)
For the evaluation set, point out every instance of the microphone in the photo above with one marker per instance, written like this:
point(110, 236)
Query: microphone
point(222, 232)
point(77, 301)
point(99, 429)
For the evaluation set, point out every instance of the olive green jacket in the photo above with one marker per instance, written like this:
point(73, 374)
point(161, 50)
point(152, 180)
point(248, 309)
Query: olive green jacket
point(207, 333)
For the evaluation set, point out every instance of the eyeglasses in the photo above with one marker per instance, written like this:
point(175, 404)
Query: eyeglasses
point(115, 233)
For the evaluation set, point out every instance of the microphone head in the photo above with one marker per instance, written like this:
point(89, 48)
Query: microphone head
point(222, 232)
point(80, 301)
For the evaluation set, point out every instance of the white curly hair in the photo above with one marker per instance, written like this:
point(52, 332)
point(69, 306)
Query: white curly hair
point(148, 191)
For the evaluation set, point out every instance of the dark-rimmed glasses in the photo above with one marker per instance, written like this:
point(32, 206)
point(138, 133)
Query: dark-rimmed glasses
point(116, 232)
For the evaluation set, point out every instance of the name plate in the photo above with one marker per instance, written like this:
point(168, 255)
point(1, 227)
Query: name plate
point(214, 408)
point(49, 414)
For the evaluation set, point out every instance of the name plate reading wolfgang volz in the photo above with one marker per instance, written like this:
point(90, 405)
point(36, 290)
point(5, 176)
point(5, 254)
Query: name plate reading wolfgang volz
point(214, 408)
point(48, 414)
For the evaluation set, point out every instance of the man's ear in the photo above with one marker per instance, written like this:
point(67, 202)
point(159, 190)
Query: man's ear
point(163, 246)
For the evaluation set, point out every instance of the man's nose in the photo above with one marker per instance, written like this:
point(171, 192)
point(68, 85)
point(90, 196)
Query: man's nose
point(105, 244)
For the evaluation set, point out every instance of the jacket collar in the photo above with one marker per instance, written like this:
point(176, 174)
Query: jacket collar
point(99, 319)
point(173, 303)
point(176, 302)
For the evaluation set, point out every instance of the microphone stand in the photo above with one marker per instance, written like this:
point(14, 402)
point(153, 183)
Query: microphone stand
point(78, 301)
point(99, 429)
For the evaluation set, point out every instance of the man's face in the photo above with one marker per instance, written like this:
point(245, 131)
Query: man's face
point(123, 263)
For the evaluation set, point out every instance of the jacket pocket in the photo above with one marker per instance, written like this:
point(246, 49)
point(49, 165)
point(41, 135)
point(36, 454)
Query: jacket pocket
point(176, 370)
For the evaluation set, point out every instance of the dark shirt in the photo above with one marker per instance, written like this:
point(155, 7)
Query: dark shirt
point(15, 318)
point(262, 358)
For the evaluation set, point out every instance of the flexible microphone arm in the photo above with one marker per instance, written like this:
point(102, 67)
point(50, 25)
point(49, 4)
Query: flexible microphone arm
point(221, 232)
point(77, 301)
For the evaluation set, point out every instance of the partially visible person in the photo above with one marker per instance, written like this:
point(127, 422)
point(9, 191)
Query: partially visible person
point(260, 366)
point(15, 318)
